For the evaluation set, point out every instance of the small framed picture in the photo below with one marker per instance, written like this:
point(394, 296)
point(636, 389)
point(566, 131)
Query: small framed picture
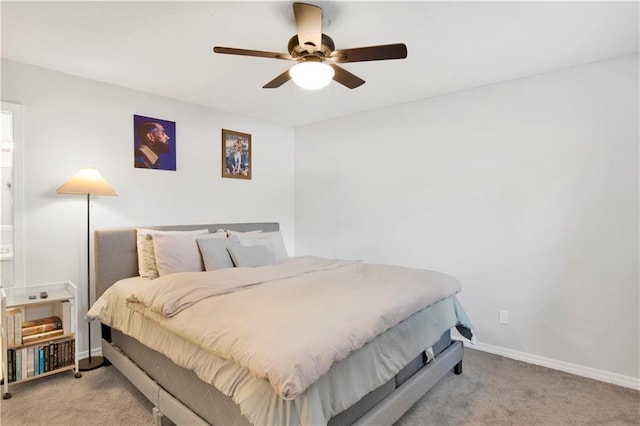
point(236, 154)
point(154, 143)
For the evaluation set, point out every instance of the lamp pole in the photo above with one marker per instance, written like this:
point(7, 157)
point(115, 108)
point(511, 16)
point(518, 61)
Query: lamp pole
point(86, 182)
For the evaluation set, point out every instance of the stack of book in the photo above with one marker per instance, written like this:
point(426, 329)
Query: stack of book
point(41, 329)
point(38, 359)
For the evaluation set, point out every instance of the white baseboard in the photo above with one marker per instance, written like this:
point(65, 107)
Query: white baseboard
point(567, 367)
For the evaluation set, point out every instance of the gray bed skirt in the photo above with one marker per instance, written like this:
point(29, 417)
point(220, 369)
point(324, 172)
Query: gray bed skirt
point(179, 393)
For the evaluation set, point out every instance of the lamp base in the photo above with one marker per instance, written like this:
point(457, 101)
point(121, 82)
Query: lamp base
point(86, 365)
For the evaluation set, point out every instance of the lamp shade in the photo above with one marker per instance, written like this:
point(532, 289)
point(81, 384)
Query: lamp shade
point(86, 181)
point(311, 75)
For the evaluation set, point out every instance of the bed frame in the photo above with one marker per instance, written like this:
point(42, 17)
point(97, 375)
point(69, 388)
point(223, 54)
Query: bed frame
point(182, 397)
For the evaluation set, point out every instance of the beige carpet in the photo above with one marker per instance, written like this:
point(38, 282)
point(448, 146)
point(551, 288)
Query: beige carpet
point(491, 391)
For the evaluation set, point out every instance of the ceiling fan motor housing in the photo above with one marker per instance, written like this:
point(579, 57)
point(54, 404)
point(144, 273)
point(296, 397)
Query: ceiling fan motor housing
point(300, 52)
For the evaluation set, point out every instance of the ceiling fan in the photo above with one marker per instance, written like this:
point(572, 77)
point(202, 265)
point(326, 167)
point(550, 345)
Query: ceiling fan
point(316, 56)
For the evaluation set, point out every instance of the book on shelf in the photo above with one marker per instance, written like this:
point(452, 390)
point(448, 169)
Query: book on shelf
point(65, 315)
point(30, 361)
point(18, 364)
point(41, 325)
point(10, 329)
point(18, 327)
point(53, 357)
point(41, 359)
point(46, 357)
point(11, 356)
point(36, 360)
point(25, 363)
point(27, 340)
point(14, 319)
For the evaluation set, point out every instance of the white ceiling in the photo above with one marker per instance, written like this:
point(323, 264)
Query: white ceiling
point(166, 48)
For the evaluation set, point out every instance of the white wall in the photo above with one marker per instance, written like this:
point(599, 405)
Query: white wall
point(71, 123)
point(527, 191)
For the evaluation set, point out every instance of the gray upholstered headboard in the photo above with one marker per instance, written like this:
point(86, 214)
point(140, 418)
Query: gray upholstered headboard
point(116, 255)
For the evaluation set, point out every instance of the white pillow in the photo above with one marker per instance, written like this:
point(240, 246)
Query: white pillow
point(272, 240)
point(179, 252)
point(250, 256)
point(146, 257)
point(214, 253)
point(231, 232)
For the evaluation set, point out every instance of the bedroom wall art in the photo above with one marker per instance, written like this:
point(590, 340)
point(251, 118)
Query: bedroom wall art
point(154, 143)
point(236, 154)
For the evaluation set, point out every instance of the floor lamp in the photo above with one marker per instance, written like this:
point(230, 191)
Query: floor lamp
point(88, 182)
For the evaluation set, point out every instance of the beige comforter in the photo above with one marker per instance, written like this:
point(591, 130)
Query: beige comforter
point(289, 322)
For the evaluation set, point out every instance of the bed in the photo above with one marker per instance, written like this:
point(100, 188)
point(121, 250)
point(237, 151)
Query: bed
point(175, 372)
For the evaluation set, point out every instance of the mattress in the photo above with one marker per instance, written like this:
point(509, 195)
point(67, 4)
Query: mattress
point(366, 370)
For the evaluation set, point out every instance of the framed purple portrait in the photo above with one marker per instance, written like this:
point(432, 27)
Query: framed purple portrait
point(154, 143)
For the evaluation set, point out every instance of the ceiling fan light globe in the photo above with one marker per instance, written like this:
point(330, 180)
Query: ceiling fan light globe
point(311, 75)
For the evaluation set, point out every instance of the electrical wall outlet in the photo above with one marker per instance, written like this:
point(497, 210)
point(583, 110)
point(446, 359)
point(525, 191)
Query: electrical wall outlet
point(504, 317)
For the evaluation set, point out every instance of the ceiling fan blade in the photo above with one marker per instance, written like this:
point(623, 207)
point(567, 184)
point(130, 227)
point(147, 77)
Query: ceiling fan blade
point(246, 52)
point(309, 24)
point(371, 53)
point(345, 78)
point(278, 81)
